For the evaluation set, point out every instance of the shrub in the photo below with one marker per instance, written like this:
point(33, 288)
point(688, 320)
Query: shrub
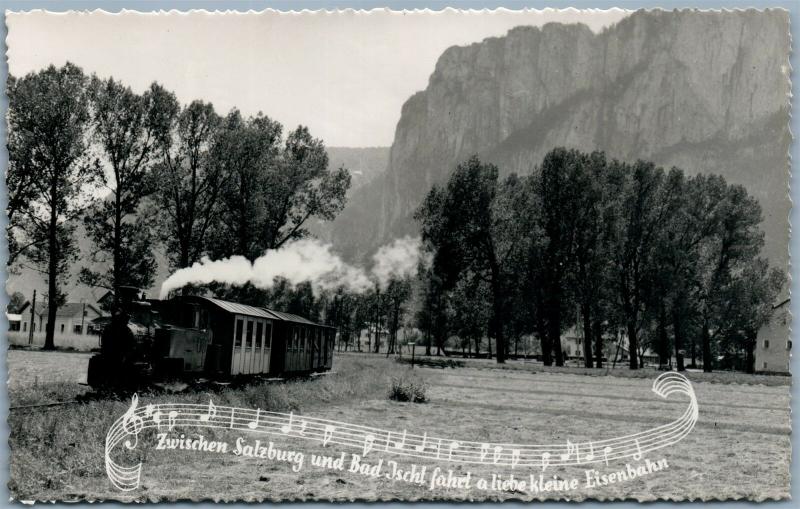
point(407, 390)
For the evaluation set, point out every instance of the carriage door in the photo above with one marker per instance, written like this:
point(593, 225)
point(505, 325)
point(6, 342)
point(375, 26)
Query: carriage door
point(236, 356)
point(249, 347)
point(266, 342)
point(261, 347)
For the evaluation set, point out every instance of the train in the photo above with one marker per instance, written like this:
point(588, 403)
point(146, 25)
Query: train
point(195, 337)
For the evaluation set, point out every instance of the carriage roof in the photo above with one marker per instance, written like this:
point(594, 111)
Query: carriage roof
point(258, 312)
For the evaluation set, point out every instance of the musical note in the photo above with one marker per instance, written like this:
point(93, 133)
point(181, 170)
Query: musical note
point(590, 455)
point(287, 428)
point(606, 450)
point(497, 451)
point(254, 424)
point(148, 410)
point(233, 412)
point(388, 441)
point(171, 418)
point(638, 454)
point(212, 412)
point(484, 451)
point(453, 446)
point(368, 441)
point(157, 419)
point(303, 425)
point(570, 450)
point(439, 449)
point(421, 447)
point(514, 457)
point(545, 460)
point(401, 444)
point(132, 424)
point(328, 434)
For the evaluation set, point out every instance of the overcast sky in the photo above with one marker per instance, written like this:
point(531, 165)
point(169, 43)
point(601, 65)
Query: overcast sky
point(345, 75)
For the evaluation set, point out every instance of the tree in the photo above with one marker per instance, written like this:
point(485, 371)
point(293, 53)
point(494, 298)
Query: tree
point(187, 182)
point(245, 151)
point(271, 190)
point(565, 199)
point(747, 304)
point(642, 212)
point(735, 246)
point(471, 309)
point(433, 316)
point(126, 127)
point(15, 302)
point(467, 227)
point(22, 189)
point(589, 273)
point(397, 293)
point(47, 120)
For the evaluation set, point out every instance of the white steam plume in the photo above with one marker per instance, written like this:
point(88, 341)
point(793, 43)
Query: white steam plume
point(396, 260)
point(301, 261)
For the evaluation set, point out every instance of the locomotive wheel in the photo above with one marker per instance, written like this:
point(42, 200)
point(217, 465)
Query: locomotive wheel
point(169, 367)
point(97, 375)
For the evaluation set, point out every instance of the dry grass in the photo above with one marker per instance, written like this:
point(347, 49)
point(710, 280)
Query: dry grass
point(620, 370)
point(79, 342)
point(740, 447)
point(56, 449)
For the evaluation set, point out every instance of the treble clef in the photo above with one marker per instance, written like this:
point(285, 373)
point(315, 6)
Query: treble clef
point(132, 424)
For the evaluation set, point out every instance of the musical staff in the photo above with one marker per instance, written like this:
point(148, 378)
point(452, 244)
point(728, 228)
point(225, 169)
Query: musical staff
point(365, 438)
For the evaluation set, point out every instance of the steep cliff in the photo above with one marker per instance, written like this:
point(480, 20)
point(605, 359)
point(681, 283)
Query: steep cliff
point(704, 91)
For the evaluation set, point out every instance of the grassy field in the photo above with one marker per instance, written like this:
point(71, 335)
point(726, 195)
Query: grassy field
point(80, 342)
point(740, 447)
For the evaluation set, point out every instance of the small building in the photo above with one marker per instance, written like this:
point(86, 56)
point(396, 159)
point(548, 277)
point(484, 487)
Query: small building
point(774, 343)
point(71, 318)
point(14, 321)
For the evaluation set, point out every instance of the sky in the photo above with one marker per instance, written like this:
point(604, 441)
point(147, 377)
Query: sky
point(345, 74)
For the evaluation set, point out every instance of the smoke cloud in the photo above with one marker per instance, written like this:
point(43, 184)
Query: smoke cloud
point(396, 260)
point(301, 261)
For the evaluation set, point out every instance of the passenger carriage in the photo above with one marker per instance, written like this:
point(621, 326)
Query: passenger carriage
point(248, 340)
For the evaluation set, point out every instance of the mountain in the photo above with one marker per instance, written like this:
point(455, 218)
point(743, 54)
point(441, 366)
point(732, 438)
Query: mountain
point(365, 164)
point(704, 91)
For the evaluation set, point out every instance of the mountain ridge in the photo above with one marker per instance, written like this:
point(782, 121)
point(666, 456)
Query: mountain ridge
point(704, 91)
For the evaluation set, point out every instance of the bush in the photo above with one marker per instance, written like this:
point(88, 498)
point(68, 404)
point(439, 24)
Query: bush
point(408, 390)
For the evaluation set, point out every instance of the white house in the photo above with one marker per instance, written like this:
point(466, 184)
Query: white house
point(774, 344)
point(71, 318)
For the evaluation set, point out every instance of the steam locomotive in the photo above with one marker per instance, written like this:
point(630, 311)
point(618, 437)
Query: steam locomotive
point(193, 337)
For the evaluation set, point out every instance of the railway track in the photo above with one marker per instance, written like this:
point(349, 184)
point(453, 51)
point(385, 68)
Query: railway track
point(162, 389)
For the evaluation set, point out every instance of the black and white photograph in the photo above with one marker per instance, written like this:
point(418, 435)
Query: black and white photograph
point(350, 255)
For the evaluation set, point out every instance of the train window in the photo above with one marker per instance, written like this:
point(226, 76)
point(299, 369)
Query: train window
point(249, 341)
point(238, 336)
point(260, 335)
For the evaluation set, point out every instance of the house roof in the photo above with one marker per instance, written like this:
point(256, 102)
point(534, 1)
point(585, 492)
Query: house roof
point(68, 309)
point(13, 317)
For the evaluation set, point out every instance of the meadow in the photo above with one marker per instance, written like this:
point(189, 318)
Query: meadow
point(739, 448)
point(79, 342)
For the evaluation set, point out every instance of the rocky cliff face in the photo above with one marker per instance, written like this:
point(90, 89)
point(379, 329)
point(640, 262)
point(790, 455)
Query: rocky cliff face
point(707, 92)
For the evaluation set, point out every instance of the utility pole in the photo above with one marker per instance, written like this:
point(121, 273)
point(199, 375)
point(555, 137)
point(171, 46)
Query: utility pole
point(33, 309)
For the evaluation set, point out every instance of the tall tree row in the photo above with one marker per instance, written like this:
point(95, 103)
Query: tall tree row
point(142, 173)
point(616, 250)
